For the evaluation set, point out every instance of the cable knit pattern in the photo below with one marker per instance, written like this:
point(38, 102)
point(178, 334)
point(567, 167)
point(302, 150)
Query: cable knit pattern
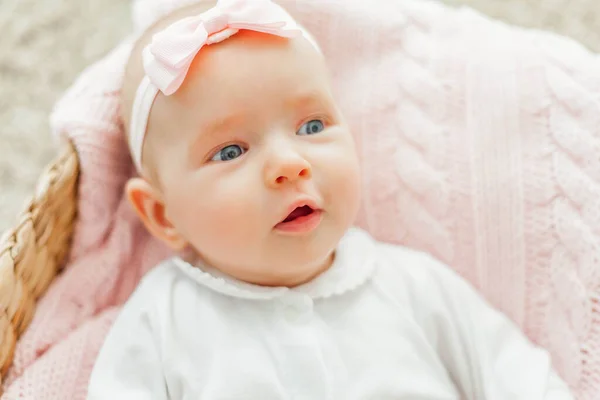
point(574, 128)
point(480, 144)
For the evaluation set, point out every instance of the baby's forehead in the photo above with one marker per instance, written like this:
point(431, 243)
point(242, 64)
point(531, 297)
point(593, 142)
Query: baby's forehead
point(233, 63)
point(242, 76)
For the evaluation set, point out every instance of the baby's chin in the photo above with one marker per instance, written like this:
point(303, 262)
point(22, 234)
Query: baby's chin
point(287, 277)
point(299, 265)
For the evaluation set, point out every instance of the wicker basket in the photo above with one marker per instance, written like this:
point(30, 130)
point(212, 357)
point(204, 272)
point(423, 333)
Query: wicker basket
point(32, 253)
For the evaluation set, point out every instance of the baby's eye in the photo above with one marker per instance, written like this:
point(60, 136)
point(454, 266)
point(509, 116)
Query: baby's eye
point(311, 127)
point(228, 153)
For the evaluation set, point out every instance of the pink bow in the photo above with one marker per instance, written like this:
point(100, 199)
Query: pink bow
point(168, 58)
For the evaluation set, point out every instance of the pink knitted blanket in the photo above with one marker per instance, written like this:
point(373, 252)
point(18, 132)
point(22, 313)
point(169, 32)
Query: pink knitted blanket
point(480, 144)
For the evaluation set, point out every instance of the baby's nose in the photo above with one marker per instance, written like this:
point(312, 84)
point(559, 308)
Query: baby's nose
point(287, 169)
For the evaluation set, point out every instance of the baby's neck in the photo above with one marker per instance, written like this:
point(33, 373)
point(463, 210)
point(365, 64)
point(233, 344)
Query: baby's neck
point(194, 258)
point(321, 268)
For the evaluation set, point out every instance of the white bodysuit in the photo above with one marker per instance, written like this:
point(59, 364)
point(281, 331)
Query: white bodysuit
point(383, 322)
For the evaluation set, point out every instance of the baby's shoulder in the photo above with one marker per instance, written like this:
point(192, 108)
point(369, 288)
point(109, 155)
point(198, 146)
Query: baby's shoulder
point(159, 277)
point(412, 274)
point(165, 283)
point(404, 262)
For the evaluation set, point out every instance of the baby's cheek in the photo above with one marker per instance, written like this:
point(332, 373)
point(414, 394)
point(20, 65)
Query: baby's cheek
point(226, 214)
point(344, 175)
point(350, 185)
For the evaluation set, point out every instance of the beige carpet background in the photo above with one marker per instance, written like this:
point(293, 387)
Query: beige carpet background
point(44, 45)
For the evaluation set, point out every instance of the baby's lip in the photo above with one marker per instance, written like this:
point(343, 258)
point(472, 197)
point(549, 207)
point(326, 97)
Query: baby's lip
point(305, 202)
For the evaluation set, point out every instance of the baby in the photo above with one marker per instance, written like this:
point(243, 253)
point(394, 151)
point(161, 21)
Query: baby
point(249, 171)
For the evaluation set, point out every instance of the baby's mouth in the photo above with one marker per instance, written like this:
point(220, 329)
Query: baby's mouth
point(297, 213)
point(303, 219)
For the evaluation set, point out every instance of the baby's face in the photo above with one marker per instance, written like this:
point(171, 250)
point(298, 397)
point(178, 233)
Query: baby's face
point(254, 138)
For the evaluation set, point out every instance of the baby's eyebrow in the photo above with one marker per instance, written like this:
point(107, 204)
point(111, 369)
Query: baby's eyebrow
point(221, 123)
point(213, 128)
point(312, 98)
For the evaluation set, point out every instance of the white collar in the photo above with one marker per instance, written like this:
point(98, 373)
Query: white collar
point(354, 264)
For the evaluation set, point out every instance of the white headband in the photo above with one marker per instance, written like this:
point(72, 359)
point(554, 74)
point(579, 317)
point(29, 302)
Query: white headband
point(168, 57)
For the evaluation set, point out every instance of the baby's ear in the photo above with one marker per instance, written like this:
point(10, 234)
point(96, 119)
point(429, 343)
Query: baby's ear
point(149, 205)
